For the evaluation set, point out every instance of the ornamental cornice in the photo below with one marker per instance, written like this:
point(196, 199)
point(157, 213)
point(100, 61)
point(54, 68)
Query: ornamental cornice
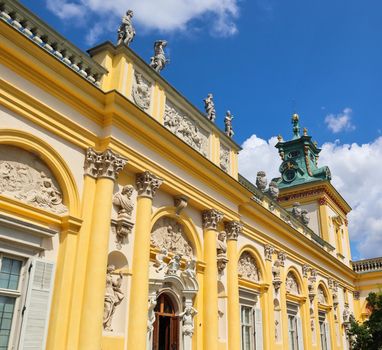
point(233, 229)
point(106, 164)
point(147, 184)
point(211, 219)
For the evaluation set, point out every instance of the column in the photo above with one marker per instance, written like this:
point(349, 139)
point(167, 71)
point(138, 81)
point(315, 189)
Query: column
point(233, 229)
point(211, 218)
point(105, 167)
point(147, 184)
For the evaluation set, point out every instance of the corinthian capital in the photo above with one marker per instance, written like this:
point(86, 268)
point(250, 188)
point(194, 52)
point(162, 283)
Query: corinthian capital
point(211, 219)
point(103, 164)
point(147, 184)
point(233, 229)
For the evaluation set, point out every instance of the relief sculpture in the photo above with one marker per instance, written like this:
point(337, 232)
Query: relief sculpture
point(141, 92)
point(169, 234)
point(185, 128)
point(27, 179)
point(247, 267)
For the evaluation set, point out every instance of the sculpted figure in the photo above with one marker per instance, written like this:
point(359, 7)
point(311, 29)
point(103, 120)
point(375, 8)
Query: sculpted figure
point(159, 260)
point(122, 200)
point(304, 217)
point(276, 272)
point(174, 265)
point(151, 314)
point(141, 92)
point(273, 190)
point(346, 314)
point(228, 124)
point(221, 246)
point(113, 297)
point(191, 268)
point(296, 211)
point(126, 31)
point(209, 106)
point(159, 60)
point(261, 181)
point(188, 320)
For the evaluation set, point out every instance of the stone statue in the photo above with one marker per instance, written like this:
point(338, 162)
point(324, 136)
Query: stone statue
point(276, 270)
point(159, 60)
point(261, 181)
point(304, 217)
point(190, 270)
point(174, 265)
point(188, 320)
point(221, 246)
point(273, 190)
point(209, 106)
point(126, 31)
point(228, 124)
point(346, 314)
point(151, 314)
point(122, 200)
point(296, 210)
point(113, 297)
point(159, 260)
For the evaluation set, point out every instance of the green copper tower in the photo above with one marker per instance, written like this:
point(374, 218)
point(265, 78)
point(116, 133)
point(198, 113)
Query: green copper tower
point(300, 157)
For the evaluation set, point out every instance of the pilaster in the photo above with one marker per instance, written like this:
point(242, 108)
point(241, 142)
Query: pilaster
point(211, 219)
point(147, 185)
point(105, 167)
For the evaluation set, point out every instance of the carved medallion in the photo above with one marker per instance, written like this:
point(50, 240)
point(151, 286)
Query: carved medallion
point(25, 177)
point(185, 128)
point(247, 267)
point(169, 234)
point(141, 91)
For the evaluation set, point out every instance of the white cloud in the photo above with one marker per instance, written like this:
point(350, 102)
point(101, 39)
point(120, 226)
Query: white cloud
point(160, 15)
point(356, 175)
point(340, 122)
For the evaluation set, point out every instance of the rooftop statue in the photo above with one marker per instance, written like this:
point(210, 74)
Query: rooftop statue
point(126, 31)
point(159, 60)
point(210, 107)
point(228, 124)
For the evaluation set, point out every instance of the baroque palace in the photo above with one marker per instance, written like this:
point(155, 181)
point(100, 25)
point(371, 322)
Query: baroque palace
point(125, 224)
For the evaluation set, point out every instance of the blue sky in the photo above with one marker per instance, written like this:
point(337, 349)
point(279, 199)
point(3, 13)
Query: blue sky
point(263, 60)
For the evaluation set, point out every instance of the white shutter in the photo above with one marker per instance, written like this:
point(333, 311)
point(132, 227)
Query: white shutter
point(299, 334)
point(37, 306)
point(259, 329)
point(327, 336)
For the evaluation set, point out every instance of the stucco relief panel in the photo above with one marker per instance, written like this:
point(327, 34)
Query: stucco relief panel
point(25, 177)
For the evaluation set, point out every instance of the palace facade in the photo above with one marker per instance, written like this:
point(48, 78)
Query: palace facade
point(125, 224)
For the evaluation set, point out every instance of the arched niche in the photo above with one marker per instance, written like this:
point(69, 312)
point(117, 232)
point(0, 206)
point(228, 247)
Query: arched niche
point(263, 276)
point(38, 162)
point(118, 260)
point(293, 282)
point(248, 267)
point(176, 233)
point(322, 294)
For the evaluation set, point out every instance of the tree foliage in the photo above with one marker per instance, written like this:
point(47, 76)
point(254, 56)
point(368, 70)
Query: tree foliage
point(368, 335)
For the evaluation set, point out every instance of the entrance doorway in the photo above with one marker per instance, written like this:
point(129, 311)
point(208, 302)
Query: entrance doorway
point(166, 325)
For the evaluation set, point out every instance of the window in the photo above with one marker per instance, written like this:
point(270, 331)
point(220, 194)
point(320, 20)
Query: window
point(324, 331)
point(10, 270)
point(294, 327)
point(247, 328)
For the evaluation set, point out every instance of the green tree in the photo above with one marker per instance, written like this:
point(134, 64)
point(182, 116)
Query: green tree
point(368, 335)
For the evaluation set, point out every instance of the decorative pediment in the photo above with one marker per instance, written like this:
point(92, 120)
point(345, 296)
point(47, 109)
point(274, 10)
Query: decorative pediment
point(247, 267)
point(25, 177)
point(169, 234)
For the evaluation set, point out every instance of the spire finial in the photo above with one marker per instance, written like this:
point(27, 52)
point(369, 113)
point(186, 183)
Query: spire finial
point(296, 126)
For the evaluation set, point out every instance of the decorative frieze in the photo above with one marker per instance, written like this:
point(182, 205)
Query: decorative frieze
point(141, 91)
point(106, 164)
point(185, 128)
point(211, 219)
point(147, 184)
point(233, 229)
point(268, 252)
point(25, 177)
point(247, 267)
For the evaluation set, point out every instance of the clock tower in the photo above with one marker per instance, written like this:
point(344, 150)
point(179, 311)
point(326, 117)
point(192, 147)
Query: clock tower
point(303, 183)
